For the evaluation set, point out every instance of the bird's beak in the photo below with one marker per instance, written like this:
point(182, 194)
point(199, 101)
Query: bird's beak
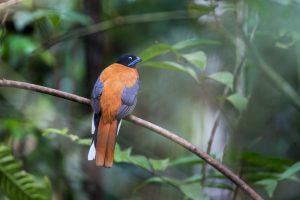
point(137, 60)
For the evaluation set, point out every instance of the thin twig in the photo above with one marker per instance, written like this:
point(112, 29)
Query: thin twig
point(4, 17)
point(9, 3)
point(236, 189)
point(225, 93)
point(141, 122)
point(118, 21)
point(280, 83)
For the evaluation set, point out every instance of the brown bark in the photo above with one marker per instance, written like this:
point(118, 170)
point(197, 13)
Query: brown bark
point(157, 129)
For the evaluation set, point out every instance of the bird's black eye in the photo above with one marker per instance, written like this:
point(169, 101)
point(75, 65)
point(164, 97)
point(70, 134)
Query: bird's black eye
point(130, 58)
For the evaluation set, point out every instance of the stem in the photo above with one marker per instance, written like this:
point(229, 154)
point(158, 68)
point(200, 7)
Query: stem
point(117, 21)
point(236, 189)
point(7, 4)
point(218, 114)
point(240, 61)
point(271, 74)
point(141, 122)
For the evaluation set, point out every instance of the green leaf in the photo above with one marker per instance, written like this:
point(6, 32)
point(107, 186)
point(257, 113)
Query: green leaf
point(197, 58)
point(159, 165)
point(122, 156)
point(187, 160)
point(172, 66)
point(23, 18)
point(193, 179)
point(16, 184)
point(155, 50)
point(269, 185)
point(218, 185)
point(290, 171)
point(48, 58)
point(223, 77)
point(74, 17)
point(21, 45)
point(48, 131)
point(194, 43)
point(200, 9)
point(55, 20)
point(165, 65)
point(269, 163)
point(86, 142)
point(140, 161)
point(63, 132)
point(193, 191)
point(192, 73)
point(258, 174)
point(161, 180)
point(238, 101)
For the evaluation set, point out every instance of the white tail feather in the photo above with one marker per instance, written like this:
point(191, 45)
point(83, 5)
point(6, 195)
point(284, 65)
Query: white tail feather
point(92, 152)
point(93, 125)
point(119, 126)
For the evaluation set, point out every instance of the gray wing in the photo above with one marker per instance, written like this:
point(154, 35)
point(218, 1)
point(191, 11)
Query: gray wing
point(95, 97)
point(129, 100)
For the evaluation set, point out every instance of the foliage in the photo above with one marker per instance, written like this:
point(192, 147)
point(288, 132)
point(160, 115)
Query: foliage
point(16, 184)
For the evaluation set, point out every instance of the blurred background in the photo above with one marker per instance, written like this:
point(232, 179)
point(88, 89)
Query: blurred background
point(224, 75)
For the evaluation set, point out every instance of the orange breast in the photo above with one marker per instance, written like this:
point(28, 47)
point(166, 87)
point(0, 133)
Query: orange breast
point(114, 78)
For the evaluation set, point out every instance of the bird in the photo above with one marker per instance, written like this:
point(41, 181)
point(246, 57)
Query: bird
point(114, 96)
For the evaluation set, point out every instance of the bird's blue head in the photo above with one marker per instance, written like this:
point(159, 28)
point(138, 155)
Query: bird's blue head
point(129, 60)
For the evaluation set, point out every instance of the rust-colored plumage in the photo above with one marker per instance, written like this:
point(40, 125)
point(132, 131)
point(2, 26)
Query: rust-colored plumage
point(114, 96)
point(114, 78)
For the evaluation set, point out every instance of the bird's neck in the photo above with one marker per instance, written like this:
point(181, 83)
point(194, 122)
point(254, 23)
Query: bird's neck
point(136, 72)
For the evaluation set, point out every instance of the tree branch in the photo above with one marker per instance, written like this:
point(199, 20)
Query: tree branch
point(6, 4)
point(136, 120)
point(118, 21)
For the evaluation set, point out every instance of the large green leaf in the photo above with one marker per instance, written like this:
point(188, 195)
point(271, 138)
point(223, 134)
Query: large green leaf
point(159, 165)
point(159, 180)
point(155, 50)
point(238, 101)
point(223, 77)
point(124, 156)
point(140, 161)
point(19, 45)
point(16, 184)
point(269, 185)
point(165, 65)
point(197, 58)
point(265, 162)
point(194, 43)
point(23, 18)
point(290, 171)
point(257, 174)
point(121, 156)
point(172, 66)
point(193, 191)
point(187, 160)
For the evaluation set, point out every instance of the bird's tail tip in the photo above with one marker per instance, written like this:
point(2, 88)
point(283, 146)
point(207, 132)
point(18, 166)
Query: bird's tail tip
point(92, 152)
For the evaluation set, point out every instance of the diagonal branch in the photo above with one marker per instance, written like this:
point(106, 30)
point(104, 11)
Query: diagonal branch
point(155, 128)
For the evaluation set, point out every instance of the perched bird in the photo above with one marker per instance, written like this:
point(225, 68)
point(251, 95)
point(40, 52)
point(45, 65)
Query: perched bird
point(114, 96)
